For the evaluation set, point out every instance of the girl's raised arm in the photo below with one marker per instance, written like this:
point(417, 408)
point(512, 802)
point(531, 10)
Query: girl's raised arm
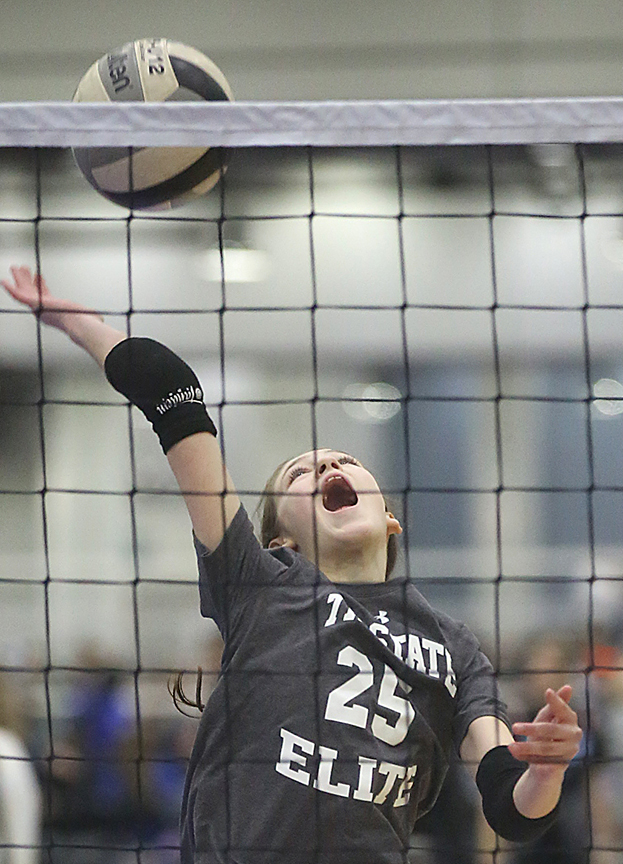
point(164, 388)
point(83, 326)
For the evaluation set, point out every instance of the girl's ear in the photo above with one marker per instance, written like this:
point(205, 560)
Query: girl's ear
point(278, 542)
point(393, 525)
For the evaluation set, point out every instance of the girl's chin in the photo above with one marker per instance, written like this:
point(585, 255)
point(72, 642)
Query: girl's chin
point(353, 535)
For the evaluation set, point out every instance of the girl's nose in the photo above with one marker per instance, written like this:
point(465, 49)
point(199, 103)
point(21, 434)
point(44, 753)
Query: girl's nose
point(326, 463)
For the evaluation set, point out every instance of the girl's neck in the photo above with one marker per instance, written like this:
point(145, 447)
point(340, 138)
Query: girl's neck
point(365, 568)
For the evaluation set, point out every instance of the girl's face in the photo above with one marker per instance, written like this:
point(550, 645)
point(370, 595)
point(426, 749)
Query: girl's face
point(329, 504)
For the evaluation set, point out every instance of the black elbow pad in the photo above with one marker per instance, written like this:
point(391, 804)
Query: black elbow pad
point(496, 777)
point(162, 385)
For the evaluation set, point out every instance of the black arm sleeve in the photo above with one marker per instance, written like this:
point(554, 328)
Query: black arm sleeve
point(496, 777)
point(162, 385)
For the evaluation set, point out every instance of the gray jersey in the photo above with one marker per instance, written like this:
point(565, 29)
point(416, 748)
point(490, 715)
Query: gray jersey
point(334, 717)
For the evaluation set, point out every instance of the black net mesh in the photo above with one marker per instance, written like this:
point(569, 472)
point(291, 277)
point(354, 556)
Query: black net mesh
point(448, 314)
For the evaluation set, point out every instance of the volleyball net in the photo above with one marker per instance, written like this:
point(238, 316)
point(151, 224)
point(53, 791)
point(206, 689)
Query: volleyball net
point(435, 287)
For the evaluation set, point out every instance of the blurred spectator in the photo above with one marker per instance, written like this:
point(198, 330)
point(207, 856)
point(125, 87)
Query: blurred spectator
point(20, 799)
point(605, 659)
point(167, 750)
point(116, 783)
point(93, 787)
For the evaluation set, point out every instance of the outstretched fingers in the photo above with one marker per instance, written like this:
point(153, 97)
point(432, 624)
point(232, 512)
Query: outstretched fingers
point(554, 735)
point(26, 288)
point(557, 706)
point(542, 745)
point(32, 291)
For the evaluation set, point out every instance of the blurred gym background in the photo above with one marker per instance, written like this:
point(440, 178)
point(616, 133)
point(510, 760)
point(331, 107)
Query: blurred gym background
point(499, 438)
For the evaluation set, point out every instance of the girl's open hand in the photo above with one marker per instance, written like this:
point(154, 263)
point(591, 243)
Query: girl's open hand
point(553, 737)
point(32, 291)
point(83, 326)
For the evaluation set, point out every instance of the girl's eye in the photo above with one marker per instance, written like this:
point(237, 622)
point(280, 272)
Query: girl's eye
point(295, 472)
point(343, 459)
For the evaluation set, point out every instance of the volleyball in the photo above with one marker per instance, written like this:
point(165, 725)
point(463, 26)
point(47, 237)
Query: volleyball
point(152, 178)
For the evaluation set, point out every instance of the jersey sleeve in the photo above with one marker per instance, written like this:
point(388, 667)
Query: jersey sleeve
point(230, 575)
point(477, 687)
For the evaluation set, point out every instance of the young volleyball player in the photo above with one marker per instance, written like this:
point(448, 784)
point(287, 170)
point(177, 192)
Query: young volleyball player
point(342, 692)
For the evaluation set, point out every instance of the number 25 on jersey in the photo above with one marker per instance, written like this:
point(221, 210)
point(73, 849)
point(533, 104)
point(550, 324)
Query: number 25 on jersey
point(341, 706)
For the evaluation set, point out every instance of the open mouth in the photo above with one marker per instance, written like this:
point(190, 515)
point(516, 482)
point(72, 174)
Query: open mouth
point(337, 493)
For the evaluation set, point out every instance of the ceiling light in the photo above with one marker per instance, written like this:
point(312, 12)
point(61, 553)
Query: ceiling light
point(608, 397)
point(372, 403)
point(237, 263)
